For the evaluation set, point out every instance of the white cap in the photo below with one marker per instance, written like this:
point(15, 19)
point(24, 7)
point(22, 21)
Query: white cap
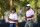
point(28, 5)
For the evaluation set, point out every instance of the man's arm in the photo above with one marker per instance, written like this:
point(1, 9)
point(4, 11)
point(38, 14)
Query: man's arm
point(30, 16)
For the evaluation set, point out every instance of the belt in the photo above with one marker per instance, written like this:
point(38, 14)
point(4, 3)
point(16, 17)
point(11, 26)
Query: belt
point(28, 20)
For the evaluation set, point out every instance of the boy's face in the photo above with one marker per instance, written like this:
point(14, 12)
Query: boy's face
point(13, 11)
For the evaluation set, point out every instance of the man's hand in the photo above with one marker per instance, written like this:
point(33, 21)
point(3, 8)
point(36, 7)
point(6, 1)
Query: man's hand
point(25, 18)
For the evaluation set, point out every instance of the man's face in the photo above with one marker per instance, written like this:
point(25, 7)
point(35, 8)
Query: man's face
point(28, 7)
point(13, 11)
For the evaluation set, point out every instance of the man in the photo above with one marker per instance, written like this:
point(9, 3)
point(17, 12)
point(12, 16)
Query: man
point(29, 16)
point(13, 18)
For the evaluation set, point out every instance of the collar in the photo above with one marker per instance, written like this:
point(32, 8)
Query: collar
point(13, 13)
point(29, 9)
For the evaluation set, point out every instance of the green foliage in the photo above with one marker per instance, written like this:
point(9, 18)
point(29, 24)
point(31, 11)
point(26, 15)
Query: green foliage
point(32, 4)
point(23, 4)
point(38, 17)
point(4, 4)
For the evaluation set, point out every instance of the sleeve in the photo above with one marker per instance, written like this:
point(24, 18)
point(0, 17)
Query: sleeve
point(16, 17)
point(32, 12)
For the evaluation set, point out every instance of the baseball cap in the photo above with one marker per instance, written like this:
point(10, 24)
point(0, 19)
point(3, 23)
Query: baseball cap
point(28, 5)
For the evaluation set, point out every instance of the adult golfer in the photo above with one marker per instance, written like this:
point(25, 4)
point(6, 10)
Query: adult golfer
point(29, 16)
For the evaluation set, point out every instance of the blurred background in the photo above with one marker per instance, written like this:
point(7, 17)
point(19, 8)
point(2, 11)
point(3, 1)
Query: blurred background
point(20, 5)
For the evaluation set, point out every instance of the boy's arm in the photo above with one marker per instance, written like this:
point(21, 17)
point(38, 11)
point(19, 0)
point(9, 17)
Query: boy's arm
point(12, 20)
point(8, 18)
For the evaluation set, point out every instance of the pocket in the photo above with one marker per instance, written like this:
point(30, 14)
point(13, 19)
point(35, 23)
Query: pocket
point(15, 24)
point(32, 21)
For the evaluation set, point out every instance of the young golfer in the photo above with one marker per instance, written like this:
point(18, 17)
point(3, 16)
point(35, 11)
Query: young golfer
point(13, 18)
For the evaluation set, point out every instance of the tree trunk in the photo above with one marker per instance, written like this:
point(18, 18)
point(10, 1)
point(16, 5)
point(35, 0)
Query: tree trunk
point(10, 4)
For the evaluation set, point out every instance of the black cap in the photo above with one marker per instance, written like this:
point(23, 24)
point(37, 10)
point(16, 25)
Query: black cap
point(14, 9)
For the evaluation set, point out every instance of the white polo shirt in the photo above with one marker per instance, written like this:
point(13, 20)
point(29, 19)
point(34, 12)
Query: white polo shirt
point(29, 13)
point(13, 17)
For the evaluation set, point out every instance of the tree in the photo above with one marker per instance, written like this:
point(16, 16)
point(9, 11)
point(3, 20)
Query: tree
point(10, 4)
point(4, 5)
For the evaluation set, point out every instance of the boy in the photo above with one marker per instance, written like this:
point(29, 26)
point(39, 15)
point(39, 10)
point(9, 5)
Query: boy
point(13, 18)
